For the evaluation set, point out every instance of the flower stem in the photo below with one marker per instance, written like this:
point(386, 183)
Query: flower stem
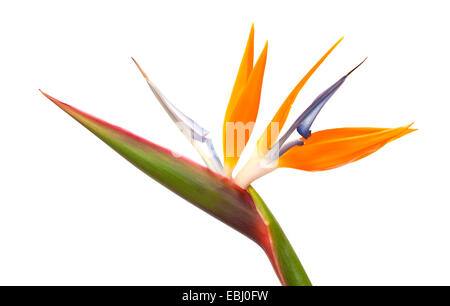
point(280, 252)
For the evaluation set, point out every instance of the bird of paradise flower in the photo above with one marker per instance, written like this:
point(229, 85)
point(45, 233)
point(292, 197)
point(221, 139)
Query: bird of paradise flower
point(232, 199)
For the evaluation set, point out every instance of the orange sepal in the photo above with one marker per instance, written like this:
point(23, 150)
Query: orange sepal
point(245, 69)
point(333, 148)
point(245, 112)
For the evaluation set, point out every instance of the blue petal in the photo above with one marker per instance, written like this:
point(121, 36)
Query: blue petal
point(304, 122)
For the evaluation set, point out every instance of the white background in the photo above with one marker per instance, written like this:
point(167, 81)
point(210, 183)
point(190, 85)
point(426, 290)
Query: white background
point(74, 212)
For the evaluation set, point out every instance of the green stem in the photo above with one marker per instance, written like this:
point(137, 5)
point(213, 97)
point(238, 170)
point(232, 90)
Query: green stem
point(280, 252)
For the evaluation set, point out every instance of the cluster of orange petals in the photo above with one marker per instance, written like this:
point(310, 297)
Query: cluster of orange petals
point(323, 150)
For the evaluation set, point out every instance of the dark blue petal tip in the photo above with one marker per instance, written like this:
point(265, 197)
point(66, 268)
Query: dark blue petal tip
point(304, 132)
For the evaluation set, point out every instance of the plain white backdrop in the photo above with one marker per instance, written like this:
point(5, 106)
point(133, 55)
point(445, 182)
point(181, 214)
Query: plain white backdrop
point(72, 211)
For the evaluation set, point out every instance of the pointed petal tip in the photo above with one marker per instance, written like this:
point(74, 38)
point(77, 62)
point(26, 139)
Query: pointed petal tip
point(335, 45)
point(350, 72)
point(263, 54)
point(405, 130)
point(251, 35)
point(409, 129)
point(338, 42)
point(140, 69)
